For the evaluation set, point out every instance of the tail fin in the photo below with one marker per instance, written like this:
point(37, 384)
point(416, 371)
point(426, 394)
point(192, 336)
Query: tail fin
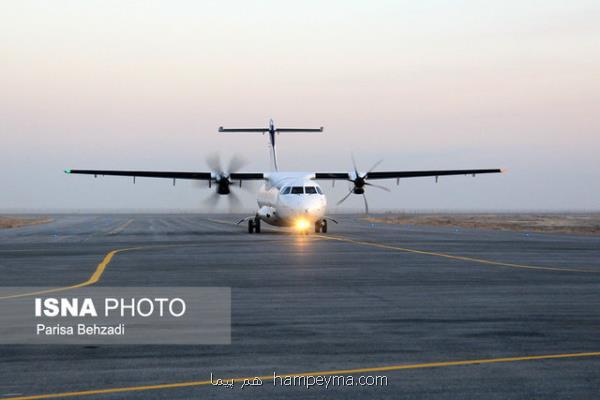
point(271, 130)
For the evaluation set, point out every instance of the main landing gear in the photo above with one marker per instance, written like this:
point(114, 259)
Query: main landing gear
point(321, 226)
point(254, 225)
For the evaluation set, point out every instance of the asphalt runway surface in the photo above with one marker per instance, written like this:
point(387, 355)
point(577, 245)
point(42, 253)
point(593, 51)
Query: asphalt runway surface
point(414, 299)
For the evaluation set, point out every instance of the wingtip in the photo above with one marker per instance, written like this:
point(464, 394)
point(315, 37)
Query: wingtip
point(503, 170)
point(67, 171)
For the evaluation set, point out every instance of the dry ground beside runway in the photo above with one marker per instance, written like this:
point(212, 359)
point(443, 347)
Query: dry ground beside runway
point(17, 222)
point(443, 312)
point(571, 223)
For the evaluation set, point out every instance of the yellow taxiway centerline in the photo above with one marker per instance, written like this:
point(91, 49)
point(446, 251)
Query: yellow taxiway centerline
point(315, 373)
point(97, 274)
point(438, 254)
point(95, 277)
point(450, 256)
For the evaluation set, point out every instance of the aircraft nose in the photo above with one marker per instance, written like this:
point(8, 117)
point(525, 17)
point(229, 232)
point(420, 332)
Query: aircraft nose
point(315, 207)
point(303, 207)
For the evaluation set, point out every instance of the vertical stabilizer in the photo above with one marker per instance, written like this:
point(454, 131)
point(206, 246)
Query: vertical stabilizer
point(274, 165)
point(272, 131)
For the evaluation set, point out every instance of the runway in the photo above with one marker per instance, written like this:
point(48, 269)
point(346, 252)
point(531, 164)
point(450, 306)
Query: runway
point(443, 313)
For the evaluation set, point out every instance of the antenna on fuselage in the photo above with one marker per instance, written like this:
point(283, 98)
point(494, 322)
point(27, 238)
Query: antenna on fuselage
point(271, 130)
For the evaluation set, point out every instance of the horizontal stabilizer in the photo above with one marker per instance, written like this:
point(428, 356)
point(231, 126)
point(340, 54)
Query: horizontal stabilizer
point(251, 130)
point(263, 130)
point(299, 130)
point(272, 131)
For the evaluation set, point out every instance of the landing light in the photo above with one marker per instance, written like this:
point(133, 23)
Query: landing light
point(302, 224)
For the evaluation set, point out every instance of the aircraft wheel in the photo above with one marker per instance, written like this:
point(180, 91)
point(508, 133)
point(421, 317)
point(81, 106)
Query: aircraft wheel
point(257, 225)
point(318, 227)
point(324, 226)
point(251, 226)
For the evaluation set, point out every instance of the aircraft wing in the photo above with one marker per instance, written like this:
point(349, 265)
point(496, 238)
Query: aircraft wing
point(405, 174)
point(238, 176)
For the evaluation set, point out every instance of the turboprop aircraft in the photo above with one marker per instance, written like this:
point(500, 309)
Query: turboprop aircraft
point(289, 199)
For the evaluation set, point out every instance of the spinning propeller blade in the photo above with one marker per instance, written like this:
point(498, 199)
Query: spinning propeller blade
point(360, 181)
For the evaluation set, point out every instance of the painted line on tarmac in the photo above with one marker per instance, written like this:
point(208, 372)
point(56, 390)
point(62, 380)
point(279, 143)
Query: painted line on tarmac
point(437, 254)
point(120, 228)
point(315, 373)
point(220, 222)
point(98, 272)
point(452, 257)
point(95, 277)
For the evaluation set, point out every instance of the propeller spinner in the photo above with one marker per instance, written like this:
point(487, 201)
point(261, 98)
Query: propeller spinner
point(221, 179)
point(359, 182)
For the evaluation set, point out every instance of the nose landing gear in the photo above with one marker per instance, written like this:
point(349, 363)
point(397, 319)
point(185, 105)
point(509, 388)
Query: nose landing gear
point(321, 226)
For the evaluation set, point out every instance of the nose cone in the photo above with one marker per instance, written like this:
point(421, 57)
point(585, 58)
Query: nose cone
point(307, 206)
point(315, 206)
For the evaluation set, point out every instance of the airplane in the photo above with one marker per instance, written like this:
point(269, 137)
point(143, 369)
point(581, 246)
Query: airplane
point(287, 199)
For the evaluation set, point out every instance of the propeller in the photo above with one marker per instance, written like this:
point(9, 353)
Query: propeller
point(221, 179)
point(359, 182)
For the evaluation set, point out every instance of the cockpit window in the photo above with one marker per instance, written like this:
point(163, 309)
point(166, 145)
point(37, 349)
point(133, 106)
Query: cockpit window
point(297, 190)
point(319, 190)
point(286, 190)
point(310, 190)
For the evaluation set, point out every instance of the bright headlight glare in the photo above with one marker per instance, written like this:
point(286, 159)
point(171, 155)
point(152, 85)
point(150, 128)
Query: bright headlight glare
point(302, 224)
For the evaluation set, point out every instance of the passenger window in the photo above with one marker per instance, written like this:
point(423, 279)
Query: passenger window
point(319, 190)
point(285, 190)
point(297, 190)
point(310, 190)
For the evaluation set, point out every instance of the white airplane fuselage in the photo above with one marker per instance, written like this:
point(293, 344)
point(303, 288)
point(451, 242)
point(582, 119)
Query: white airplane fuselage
point(291, 198)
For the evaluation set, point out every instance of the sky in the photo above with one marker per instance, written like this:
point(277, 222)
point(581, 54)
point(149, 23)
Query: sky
point(419, 84)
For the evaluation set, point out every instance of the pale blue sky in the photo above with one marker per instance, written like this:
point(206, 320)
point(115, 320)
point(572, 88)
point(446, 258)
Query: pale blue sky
point(428, 84)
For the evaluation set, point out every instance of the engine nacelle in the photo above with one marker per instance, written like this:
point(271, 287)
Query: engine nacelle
point(359, 184)
point(223, 188)
point(222, 185)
